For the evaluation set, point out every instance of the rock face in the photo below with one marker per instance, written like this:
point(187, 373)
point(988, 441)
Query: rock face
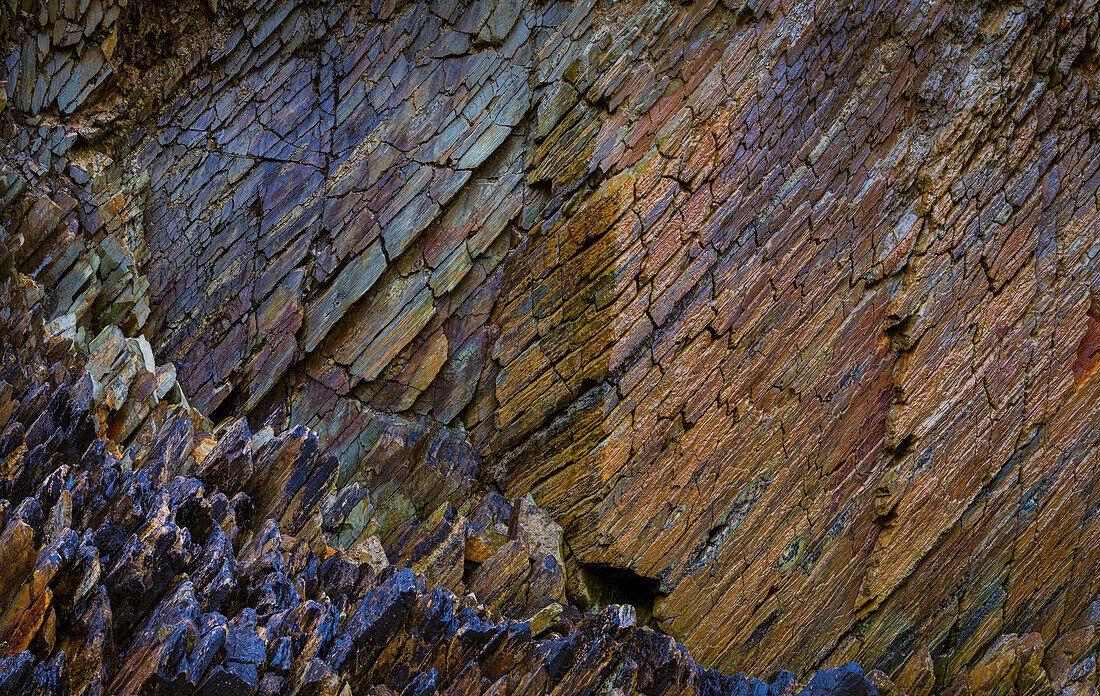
point(787, 313)
point(194, 563)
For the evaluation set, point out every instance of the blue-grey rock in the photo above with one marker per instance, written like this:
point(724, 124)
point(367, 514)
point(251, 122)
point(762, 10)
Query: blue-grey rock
point(84, 73)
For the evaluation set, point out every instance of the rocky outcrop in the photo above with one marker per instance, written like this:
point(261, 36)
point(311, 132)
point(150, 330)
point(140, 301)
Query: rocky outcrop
point(200, 563)
point(785, 312)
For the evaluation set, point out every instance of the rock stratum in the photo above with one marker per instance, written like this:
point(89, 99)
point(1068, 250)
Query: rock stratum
point(777, 321)
point(169, 568)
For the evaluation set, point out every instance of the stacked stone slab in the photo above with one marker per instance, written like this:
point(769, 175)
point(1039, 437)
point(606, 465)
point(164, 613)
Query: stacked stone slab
point(197, 564)
point(786, 312)
point(129, 577)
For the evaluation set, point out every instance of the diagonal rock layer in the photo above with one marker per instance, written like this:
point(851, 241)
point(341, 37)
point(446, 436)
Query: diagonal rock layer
point(776, 320)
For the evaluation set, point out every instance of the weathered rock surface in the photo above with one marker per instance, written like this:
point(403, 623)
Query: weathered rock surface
point(123, 573)
point(788, 313)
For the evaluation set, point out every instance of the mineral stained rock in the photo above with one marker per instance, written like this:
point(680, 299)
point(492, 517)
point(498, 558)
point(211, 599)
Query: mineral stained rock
point(784, 313)
point(199, 563)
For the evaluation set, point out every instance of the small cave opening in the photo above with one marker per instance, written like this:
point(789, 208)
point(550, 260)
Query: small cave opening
point(468, 568)
point(607, 585)
point(228, 407)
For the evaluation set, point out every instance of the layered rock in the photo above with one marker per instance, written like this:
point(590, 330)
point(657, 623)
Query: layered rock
point(785, 311)
point(201, 564)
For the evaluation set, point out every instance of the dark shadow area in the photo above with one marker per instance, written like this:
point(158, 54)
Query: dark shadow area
point(609, 585)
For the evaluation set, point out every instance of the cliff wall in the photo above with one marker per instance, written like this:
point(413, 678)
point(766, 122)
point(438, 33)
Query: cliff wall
point(787, 312)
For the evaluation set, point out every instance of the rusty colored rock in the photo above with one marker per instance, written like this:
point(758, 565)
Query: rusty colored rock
point(777, 320)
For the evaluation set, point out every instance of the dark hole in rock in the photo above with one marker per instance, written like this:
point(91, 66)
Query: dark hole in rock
point(609, 585)
point(228, 408)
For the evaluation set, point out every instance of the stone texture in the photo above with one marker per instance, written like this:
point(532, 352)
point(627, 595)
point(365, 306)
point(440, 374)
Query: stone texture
point(786, 312)
point(128, 576)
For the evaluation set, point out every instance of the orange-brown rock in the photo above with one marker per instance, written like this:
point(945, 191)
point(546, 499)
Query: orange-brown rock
point(786, 311)
point(134, 581)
